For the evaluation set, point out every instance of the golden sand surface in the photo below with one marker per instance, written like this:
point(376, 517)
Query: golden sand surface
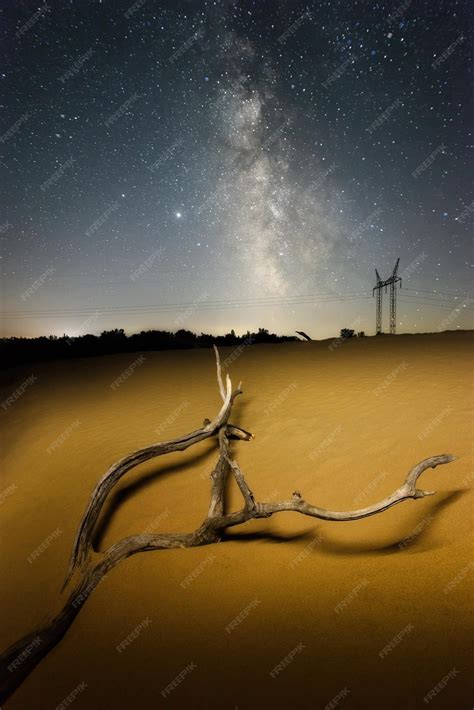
point(342, 425)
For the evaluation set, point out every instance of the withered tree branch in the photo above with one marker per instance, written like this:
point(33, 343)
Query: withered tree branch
point(88, 567)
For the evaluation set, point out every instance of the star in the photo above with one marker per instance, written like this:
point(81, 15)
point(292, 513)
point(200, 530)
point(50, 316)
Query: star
point(303, 151)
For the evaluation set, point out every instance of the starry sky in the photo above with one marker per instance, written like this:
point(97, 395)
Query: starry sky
point(216, 165)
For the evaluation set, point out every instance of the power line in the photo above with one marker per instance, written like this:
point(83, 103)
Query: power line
point(451, 306)
point(196, 304)
point(163, 308)
point(263, 300)
point(427, 299)
point(441, 293)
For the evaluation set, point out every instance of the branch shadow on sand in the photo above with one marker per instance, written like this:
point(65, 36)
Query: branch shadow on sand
point(407, 540)
point(132, 489)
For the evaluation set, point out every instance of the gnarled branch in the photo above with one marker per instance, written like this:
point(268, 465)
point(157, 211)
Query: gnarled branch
point(86, 570)
point(82, 544)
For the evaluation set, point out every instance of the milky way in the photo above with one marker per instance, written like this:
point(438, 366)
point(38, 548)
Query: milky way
point(232, 165)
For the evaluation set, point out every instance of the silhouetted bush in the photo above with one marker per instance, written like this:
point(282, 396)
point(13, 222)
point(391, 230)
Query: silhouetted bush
point(16, 351)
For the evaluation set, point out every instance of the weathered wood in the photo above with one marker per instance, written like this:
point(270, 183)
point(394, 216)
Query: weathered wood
point(88, 567)
point(82, 545)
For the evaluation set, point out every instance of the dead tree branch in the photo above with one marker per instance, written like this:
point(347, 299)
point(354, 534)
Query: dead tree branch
point(88, 567)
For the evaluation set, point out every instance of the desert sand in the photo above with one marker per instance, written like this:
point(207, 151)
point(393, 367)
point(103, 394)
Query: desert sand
point(341, 425)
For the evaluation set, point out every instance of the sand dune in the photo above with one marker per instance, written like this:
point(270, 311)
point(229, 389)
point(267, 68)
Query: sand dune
point(343, 426)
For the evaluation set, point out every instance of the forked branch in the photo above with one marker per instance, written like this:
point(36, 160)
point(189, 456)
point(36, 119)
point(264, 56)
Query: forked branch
point(88, 567)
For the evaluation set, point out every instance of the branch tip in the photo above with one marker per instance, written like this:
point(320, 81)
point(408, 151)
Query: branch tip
point(219, 373)
point(423, 494)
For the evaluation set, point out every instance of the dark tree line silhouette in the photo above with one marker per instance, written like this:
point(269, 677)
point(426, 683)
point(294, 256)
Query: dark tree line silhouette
point(16, 351)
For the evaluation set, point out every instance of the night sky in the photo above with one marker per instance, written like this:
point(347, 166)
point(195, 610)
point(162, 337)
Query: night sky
point(218, 165)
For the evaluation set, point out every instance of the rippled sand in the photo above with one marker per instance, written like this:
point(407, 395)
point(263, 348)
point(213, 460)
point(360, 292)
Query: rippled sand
point(343, 426)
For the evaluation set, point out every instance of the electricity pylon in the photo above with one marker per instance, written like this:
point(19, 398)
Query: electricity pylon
point(394, 278)
point(378, 305)
point(392, 282)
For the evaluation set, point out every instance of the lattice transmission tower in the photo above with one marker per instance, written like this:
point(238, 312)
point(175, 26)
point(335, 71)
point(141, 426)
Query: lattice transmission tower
point(378, 291)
